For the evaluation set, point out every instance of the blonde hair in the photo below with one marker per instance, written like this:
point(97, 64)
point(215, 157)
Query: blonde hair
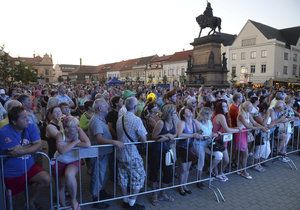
point(67, 122)
point(70, 121)
point(167, 110)
point(204, 112)
point(243, 110)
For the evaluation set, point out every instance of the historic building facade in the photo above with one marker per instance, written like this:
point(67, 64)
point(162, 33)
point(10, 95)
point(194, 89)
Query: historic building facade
point(261, 53)
point(43, 67)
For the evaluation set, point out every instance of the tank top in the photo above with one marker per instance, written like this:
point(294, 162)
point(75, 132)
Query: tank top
point(164, 130)
point(217, 127)
point(185, 143)
point(52, 142)
point(240, 124)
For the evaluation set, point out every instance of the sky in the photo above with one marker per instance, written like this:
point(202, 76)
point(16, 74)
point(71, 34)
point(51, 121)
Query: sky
point(104, 31)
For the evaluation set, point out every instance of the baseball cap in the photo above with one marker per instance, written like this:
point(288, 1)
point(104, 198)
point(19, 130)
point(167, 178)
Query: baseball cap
point(127, 94)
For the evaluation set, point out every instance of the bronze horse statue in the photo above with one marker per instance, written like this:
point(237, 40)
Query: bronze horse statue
point(211, 22)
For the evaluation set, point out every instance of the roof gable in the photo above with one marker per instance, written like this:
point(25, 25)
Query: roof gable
point(180, 56)
point(249, 31)
point(289, 36)
point(268, 31)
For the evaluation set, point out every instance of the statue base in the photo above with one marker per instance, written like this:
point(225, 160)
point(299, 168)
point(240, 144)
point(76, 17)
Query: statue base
point(206, 68)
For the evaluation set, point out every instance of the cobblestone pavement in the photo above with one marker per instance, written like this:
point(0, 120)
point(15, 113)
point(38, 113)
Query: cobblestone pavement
point(276, 188)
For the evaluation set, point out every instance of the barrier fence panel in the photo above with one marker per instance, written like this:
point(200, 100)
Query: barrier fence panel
point(23, 200)
point(171, 168)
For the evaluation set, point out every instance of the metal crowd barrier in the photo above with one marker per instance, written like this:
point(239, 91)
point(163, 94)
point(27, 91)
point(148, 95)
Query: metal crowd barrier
point(6, 194)
point(274, 139)
point(84, 197)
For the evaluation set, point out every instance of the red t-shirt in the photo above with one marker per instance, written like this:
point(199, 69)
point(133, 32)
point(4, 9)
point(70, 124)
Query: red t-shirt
point(233, 113)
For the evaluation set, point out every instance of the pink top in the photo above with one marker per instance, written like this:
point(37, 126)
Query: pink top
point(217, 127)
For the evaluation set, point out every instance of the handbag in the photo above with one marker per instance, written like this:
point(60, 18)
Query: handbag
point(250, 137)
point(218, 145)
point(169, 159)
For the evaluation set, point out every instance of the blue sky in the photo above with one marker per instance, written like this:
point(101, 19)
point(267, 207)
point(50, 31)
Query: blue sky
point(102, 31)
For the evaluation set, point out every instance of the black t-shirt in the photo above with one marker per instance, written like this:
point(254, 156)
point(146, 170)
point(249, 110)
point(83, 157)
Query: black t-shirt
point(44, 102)
point(112, 117)
point(297, 104)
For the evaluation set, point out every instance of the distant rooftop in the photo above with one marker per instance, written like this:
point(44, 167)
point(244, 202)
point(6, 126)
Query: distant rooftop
point(290, 36)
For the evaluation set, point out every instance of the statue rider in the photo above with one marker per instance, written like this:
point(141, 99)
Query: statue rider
point(208, 11)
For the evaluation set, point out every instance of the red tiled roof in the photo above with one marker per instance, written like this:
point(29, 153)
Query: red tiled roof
point(180, 56)
point(146, 60)
point(33, 61)
point(128, 64)
point(161, 58)
point(85, 70)
point(117, 66)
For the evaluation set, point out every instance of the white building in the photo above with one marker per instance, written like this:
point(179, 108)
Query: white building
point(176, 66)
point(260, 53)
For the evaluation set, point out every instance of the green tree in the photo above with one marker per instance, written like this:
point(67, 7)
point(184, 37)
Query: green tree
point(6, 67)
point(23, 72)
point(12, 70)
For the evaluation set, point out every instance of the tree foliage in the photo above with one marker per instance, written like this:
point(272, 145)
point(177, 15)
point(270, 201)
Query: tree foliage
point(13, 70)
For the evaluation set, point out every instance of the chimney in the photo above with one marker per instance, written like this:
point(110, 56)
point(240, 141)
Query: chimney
point(33, 55)
point(80, 61)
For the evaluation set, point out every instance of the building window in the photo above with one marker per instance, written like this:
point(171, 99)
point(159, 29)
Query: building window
point(294, 69)
point(285, 70)
point(263, 53)
point(253, 55)
point(47, 72)
point(248, 42)
point(233, 70)
point(252, 69)
point(295, 57)
point(286, 56)
point(263, 68)
point(243, 56)
point(182, 71)
point(233, 56)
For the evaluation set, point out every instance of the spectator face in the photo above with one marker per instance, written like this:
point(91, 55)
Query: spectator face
point(104, 108)
point(56, 114)
point(65, 110)
point(225, 107)
point(120, 103)
point(70, 94)
point(187, 114)
point(22, 121)
point(249, 108)
point(27, 103)
point(280, 107)
point(81, 93)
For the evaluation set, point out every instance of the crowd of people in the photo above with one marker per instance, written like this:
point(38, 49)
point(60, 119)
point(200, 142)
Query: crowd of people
point(182, 123)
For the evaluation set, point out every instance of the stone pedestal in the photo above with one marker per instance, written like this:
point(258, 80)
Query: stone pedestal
point(206, 67)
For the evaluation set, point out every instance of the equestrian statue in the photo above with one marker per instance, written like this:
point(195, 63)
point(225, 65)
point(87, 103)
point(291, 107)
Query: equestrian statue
point(208, 20)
